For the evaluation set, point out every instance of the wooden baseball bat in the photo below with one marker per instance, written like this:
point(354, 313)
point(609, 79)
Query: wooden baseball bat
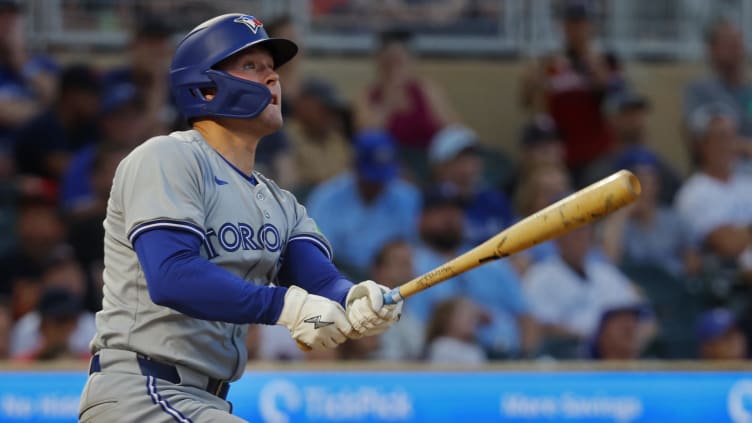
point(578, 209)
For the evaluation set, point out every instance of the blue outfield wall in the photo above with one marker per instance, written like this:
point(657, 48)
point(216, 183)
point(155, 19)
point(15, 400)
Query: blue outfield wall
point(431, 396)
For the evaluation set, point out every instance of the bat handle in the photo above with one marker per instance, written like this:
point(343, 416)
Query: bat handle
point(393, 297)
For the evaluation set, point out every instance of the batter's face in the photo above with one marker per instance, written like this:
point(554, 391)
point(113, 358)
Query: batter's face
point(256, 64)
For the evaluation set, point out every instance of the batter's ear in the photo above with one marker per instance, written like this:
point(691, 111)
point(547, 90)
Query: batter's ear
point(208, 93)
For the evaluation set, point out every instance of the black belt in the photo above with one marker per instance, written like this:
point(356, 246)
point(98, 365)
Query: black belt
point(167, 372)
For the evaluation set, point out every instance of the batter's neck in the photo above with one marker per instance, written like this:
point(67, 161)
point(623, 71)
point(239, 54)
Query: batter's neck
point(237, 147)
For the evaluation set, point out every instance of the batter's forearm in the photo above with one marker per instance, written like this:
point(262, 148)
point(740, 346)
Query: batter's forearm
point(179, 278)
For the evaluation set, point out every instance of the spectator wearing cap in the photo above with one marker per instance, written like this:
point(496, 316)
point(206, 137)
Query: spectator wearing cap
point(360, 210)
point(719, 336)
point(715, 201)
point(646, 233)
point(149, 53)
point(540, 145)
point(45, 145)
point(569, 292)
point(124, 124)
point(622, 333)
point(626, 112)
point(28, 83)
point(61, 271)
point(58, 313)
point(570, 85)
point(494, 286)
point(457, 165)
point(319, 147)
point(728, 83)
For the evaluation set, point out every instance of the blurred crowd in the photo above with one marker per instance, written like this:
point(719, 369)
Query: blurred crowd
point(399, 185)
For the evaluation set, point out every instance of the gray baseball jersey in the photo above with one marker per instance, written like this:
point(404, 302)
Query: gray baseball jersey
point(180, 182)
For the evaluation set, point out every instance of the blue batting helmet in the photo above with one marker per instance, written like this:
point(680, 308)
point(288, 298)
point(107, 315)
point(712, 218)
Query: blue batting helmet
point(207, 45)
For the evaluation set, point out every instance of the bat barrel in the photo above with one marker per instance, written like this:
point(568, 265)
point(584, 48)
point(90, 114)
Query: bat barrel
point(578, 209)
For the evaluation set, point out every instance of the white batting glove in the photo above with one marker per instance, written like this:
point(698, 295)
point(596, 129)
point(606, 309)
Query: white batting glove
point(314, 321)
point(366, 310)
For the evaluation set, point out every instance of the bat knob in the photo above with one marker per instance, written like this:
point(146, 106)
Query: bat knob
point(392, 297)
point(303, 347)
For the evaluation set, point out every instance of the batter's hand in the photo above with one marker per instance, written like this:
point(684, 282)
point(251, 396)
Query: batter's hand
point(366, 311)
point(314, 321)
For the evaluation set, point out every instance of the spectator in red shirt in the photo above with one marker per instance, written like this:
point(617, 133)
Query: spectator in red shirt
point(570, 86)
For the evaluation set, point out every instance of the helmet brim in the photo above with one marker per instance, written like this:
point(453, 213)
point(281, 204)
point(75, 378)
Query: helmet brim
point(282, 50)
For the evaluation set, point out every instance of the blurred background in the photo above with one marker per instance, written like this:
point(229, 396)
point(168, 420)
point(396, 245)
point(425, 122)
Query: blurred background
point(414, 130)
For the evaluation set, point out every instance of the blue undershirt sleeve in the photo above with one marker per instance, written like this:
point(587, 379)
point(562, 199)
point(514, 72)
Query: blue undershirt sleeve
point(179, 278)
point(306, 265)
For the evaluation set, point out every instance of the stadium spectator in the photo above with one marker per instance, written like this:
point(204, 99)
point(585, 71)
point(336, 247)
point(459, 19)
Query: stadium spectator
point(45, 144)
point(456, 163)
point(719, 336)
point(620, 334)
point(409, 106)
point(493, 286)
point(570, 86)
point(538, 188)
point(124, 124)
point(39, 228)
point(626, 112)
point(379, 206)
point(6, 324)
point(85, 230)
point(646, 233)
point(569, 292)
point(58, 310)
point(27, 83)
point(540, 146)
point(393, 266)
point(715, 201)
point(149, 54)
point(451, 333)
point(61, 271)
point(729, 83)
point(319, 147)
point(362, 349)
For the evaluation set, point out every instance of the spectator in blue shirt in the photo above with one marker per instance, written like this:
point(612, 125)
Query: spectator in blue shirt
point(45, 144)
point(123, 124)
point(456, 164)
point(494, 286)
point(360, 211)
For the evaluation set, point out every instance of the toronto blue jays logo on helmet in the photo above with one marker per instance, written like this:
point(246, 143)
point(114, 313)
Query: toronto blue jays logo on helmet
point(249, 21)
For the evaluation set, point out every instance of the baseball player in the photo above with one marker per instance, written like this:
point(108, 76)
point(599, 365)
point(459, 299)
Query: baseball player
point(198, 245)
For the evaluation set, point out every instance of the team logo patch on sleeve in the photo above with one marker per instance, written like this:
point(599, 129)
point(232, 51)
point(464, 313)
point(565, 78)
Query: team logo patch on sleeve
point(249, 21)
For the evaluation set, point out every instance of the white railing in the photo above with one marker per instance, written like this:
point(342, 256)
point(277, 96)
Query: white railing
point(648, 29)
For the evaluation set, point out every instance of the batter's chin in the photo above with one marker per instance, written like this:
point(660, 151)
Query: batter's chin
point(271, 118)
